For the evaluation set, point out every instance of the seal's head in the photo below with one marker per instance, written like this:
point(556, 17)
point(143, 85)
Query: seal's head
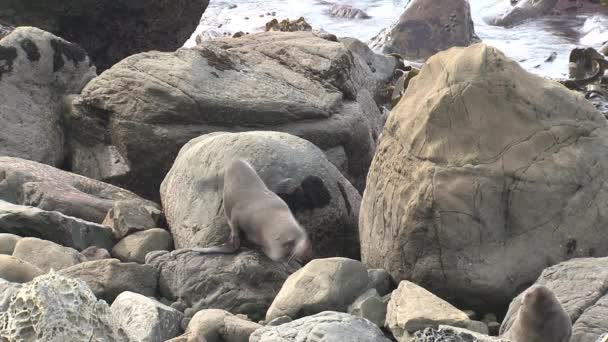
point(538, 302)
point(290, 242)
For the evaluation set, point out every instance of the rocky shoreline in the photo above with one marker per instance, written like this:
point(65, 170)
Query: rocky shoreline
point(440, 196)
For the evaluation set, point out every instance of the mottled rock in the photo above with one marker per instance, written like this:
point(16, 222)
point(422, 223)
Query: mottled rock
point(326, 326)
point(412, 308)
point(322, 285)
point(30, 183)
point(38, 71)
point(16, 270)
point(427, 27)
point(108, 278)
point(477, 186)
point(8, 242)
point(47, 255)
point(581, 286)
point(53, 226)
point(217, 325)
point(7, 291)
point(144, 319)
point(134, 247)
point(446, 333)
point(56, 308)
point(153, 103)
point(242, 283)
point(321, 199)
point(103, 29)
point(126, 217)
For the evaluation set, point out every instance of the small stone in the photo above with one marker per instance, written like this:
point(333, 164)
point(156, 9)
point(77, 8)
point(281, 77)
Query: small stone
point(8, 242)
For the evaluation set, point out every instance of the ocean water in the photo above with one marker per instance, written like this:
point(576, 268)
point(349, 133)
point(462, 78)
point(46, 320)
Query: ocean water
point(530, 43)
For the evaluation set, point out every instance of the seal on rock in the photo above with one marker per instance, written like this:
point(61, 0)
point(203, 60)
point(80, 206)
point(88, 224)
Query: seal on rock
point(537, 317)
point(265, 219)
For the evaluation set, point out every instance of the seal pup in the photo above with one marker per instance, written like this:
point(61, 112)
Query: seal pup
point(537, 316)
point(264, 218)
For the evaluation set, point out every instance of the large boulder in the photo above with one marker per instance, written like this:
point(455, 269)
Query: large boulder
point(485, 174)
point(47, 255)
point(145, 108)
point(144, 319)
point(34, 184)
point(243, 283)
point(38, 72)
point(327, 326)
point(108, 278)
point(511, 15)
point(580, 285)
point(110, 30)
point(330, 284)
point(65, 230)
point(321, 199)
point(427, 27)
point(56, 308)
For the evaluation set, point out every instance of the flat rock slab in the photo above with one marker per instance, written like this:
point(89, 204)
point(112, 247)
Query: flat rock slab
point(53, 226)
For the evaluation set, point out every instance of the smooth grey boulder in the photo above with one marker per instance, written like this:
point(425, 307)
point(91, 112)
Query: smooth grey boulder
point(103, 28)
point(108, 278)
point(330, 284)
point(38, 72)
point(16, 270)
point(428, 27)
point(53, 226)
point(145, 319)
point(321, 199)
point(477, 186)
point(217, 325)
point(8, 242)
point(47, 255)
point(326, 326)
point(34, 184)
point(56, 308)
point(134, 247)
point(580, 285)
point(153, 103)
point(242, 283)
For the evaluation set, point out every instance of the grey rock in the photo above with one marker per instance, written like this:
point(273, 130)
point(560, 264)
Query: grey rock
point(55, 308)
point(522, 11)
point(8, 242)
point(103, 29)
point(126, 217)
point(39, 71)
point(134, 247)
point(445, 333)
point(290, 82)
point(370, 306)
point(380, 280)
point(47, 255)
point(580, 285)
point(144, 319)
point(53, 226)
point(108, 278)
point(218, 325)
point(242, 283)
point(16, 270)
point(321, 199)
point(347, 12)
point(325, 326)
point(322, 285)
point(34, 184)
point(427, 27)
point(470, 207)
point(279, 320)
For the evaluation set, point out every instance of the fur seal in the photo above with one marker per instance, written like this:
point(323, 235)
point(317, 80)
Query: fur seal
point(537, 316)
point(264, 218)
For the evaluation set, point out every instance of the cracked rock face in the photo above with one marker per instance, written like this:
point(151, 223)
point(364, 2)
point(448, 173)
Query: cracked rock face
point(132, 120)
point(485, 175)
point(321, 199)
point(55, 308)
point(581, 285)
